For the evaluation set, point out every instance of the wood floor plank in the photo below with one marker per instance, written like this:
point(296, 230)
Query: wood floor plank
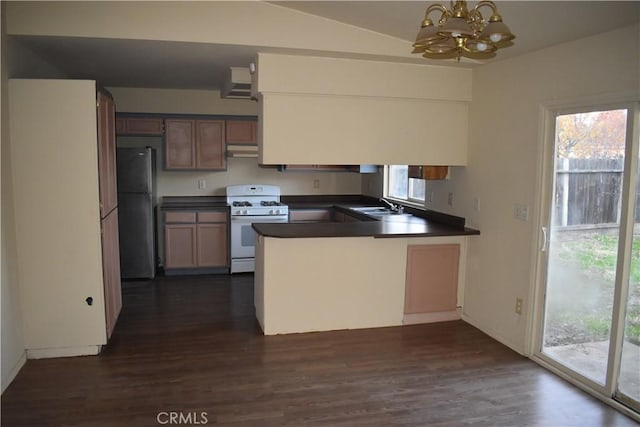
point(192, 345)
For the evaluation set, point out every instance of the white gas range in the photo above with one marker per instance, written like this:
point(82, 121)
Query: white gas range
point(249, 204)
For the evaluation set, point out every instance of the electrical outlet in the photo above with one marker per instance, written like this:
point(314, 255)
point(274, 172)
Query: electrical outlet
point(450, 199)
point(518, 305)
point(316, 183)
point(521, 212)
point(476, 204)
point(202, 184)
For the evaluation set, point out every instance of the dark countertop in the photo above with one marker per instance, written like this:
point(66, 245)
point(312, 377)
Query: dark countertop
point(420, 224)
point(193, 202)
point(424, 225)
point(378, 229)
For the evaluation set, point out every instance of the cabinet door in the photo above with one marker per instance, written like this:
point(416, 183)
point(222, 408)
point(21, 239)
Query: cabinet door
point(143, 126)
point(241, 132)
point(180, 150)
point(210, 149)
point(428, 172)
point(111, 270)
point(212, 245)
point(106, 153)
point(180, 245)
point(432, 278)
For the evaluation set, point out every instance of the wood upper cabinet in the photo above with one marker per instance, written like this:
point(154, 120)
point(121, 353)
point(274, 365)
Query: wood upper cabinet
point(241, 132)
point(180, 149)
point(106, 153)
point(148, 126)
point(315, 168)
point(210, 149)
point(428, 172)
point(196, 239)
point(194, 144)
point(432, 278)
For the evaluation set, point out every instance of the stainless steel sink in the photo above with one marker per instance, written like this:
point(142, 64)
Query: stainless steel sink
point(377, 211)
point(371, 209)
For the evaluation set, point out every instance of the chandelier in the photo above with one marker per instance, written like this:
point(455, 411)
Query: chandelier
point(462, 32)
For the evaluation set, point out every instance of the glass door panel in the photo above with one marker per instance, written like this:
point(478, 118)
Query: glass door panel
point(583, 240)
point(629, 376)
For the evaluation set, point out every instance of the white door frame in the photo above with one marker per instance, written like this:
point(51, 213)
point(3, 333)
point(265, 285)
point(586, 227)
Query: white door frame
point(545, 182)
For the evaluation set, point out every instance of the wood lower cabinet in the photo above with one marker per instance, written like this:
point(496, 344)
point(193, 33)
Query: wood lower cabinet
point(212, 245)
point(432, 280)
point(181, 249)
point(111, 270)
point(196, 240)
point(310, 215)
point(194, 144)
point(241, 132)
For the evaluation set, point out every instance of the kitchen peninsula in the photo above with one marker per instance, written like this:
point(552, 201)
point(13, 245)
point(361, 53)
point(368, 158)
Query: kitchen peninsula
point(395, 270)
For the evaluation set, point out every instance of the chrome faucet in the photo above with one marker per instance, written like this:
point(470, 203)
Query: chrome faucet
point(392, 206)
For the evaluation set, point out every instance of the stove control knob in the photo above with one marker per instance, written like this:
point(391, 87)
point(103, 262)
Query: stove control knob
point(244, 212)
point(238, 212)
point(277, 211)
point(272, 212)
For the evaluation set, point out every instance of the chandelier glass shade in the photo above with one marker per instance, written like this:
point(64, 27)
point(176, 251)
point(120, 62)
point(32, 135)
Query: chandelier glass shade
point(462, 32)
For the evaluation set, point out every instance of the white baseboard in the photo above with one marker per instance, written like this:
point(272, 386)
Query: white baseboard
point(496, 336)
point(14, 371)
point(46, 353)
point(440, 316)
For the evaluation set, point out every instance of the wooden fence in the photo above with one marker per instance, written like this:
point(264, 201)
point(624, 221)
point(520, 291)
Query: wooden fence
point(588, 192)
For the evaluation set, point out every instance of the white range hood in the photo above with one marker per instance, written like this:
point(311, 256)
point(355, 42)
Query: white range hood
point(238, 83)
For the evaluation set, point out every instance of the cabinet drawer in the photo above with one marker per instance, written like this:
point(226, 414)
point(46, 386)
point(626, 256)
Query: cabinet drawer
point(212, 217)
point(180, 217)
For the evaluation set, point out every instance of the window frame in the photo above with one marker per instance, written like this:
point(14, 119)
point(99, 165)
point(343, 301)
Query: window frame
point(417, 203)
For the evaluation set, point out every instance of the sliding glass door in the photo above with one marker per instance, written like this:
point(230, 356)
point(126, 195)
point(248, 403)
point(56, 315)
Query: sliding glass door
point(591, 251)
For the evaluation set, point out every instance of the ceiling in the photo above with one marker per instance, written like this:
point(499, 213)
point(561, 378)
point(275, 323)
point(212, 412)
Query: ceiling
point(138, 63)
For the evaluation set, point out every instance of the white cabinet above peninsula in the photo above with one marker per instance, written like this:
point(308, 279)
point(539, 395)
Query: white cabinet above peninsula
point(335, 111)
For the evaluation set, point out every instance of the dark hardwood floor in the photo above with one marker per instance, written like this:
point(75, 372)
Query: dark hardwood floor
point(192, 346)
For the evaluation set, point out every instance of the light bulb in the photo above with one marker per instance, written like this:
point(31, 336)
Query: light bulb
point(481, 46)
point(496, 37)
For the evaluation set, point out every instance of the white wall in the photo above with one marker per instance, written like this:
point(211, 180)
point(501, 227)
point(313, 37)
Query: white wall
point(13, 355)
point(239, 23)
point(366, 290)
point(239, 170)
point(322, 110)
point(505, 144)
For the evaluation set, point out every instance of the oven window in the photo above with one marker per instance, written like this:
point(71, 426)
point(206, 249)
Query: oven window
point(247, 236)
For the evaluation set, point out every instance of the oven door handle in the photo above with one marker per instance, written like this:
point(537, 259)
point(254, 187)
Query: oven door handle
point(261, 218)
